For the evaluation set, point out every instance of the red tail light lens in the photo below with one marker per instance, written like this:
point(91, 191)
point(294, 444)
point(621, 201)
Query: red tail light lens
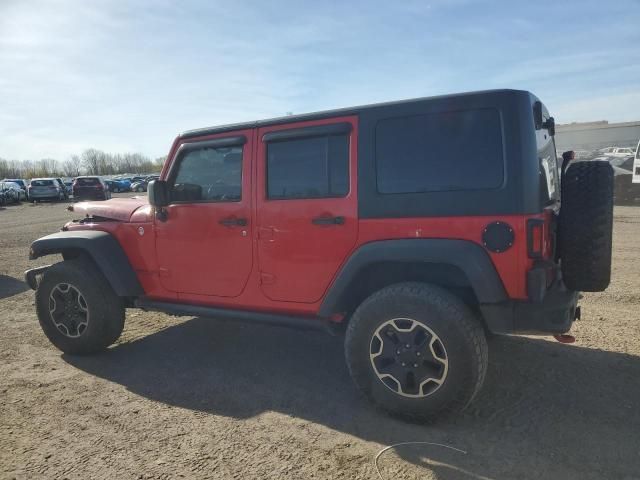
point(535, 237)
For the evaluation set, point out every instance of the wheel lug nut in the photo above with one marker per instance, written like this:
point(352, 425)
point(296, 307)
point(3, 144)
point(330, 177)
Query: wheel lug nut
point(417, 354)
point(415, 365)
point(404, 364)
point(397, 352)
point(408, 346)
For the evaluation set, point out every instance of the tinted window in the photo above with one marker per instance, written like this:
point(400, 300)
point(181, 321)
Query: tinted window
point(19, 182)
point(440, 152)
point(209, 174)
point(41, 183)
point(308, 168)
point(87, 182)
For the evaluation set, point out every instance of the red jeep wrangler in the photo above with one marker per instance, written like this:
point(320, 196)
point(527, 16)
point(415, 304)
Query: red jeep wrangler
point(417, 225)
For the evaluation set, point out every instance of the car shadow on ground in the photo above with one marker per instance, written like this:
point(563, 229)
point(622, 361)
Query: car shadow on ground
point(10, 286)
point(534, 390)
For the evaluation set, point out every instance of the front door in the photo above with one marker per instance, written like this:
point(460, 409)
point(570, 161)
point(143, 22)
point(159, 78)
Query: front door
point(307, 205)
point(204, 244)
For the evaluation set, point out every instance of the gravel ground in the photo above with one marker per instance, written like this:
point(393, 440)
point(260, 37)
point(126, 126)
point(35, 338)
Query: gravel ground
point(200, 398)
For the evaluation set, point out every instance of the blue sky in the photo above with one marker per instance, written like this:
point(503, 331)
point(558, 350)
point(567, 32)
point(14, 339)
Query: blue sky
point(128, 75)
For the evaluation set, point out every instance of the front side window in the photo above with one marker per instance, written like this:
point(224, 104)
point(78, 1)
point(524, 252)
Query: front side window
point(209, 174)
point(316, 167)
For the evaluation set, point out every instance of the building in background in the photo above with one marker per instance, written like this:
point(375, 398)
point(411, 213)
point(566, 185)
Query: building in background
point(597, 135)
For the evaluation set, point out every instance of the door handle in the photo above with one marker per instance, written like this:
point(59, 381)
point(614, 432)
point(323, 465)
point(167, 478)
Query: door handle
point(233, 222)
point(328, 220)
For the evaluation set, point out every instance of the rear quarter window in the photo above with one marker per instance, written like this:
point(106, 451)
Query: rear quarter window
point(447, 151)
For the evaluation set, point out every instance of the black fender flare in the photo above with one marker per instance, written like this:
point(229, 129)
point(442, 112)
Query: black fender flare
point(468, 256)
point(102, 248)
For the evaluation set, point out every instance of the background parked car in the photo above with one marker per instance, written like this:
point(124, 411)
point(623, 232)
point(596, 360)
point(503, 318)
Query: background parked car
point(112, 185)
point(68, 186)
point(623, 152)
point(63, 188)
point(117, 185)
point(141, 186)
point(12, 192)
point(21, 183)
point(45, 189)
point(124, 182)
point(90, 188)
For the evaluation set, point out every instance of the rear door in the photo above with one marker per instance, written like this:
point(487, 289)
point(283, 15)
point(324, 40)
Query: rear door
point(307, 205)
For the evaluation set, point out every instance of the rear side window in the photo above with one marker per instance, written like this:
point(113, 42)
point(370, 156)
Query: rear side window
point(316, 167)
point(87, 182)
point(440, 152)
point(41, 183)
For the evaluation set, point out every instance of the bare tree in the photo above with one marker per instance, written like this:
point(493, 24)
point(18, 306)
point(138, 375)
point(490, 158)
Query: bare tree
point(71, 167)
point(92, 160)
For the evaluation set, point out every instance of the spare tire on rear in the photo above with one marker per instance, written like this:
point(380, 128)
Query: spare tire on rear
point(585, 226)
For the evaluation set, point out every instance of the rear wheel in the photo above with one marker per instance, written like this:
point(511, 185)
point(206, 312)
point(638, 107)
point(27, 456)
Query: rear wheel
point(77, 309)
point(416, 351)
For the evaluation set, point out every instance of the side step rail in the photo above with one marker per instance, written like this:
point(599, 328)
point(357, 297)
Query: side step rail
point(180, 309)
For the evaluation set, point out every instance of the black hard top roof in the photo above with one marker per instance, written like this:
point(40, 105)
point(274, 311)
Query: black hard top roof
point(336, 112)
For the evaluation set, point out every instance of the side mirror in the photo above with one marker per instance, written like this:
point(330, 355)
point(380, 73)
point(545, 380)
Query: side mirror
point(158, 193)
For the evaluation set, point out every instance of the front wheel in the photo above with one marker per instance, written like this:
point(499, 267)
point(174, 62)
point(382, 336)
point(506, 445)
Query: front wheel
point(416, 351)
point(77, 308)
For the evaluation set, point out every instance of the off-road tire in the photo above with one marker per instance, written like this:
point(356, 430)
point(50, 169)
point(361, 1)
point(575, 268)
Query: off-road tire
point(585, 226)
point(450, 319)
point(106, 309)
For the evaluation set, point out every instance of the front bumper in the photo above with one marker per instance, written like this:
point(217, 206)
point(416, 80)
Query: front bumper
point(31, 276)
point(553, 314)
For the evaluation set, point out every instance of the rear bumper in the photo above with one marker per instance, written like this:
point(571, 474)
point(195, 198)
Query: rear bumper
point(553, 314)
point(44, 195)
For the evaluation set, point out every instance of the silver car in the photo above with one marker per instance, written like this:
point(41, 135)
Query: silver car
point(12, 192)
point(45, 189)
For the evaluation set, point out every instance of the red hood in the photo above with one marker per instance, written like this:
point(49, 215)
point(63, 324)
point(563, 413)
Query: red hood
point(119, 209)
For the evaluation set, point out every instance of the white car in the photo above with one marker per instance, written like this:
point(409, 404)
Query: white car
point(618, 152)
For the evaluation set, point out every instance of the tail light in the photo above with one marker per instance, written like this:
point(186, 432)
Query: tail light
point(535, 237)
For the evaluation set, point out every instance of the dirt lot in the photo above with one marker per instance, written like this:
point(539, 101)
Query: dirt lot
point(195, 397)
